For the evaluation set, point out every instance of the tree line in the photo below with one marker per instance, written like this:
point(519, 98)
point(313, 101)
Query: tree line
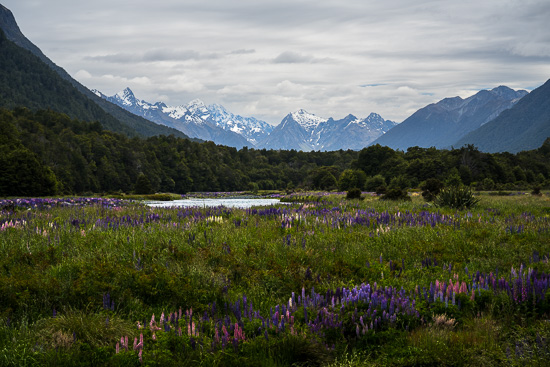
point(48, 153)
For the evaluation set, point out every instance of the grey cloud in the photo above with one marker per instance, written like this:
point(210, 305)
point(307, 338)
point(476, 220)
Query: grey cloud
point(289, 57)
point(362, 50)
point(155, 55)
point(242, 52)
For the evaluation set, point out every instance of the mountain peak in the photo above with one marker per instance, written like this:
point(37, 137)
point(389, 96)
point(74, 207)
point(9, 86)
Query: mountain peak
point(127, 97)
point(508, 93)
point(307, 120)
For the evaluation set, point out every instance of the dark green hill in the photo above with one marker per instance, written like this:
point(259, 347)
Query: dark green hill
point(523, 127)
point(28, 78)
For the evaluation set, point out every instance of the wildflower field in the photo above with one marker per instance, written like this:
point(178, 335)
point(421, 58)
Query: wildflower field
point(322, 281)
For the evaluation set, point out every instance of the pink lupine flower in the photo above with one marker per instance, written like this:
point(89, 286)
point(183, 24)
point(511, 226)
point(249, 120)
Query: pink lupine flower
point(117, 348)
point(140, 354)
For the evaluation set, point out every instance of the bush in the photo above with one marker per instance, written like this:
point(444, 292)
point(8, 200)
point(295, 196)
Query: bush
point(431, 188)
point(400, 182)
point(536, 191)
point(396, 194)
point(456, 197)
point(381, 190)
point(488, 184)
point(373, 183)
point(353, 194)
point(143, 185)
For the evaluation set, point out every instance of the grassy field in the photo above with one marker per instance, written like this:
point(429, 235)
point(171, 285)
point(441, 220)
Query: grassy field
point(322, 282)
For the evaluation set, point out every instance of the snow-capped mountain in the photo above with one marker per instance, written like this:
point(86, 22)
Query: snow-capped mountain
point(299, 130)
point(252, 129)
point(302, 130)
point(196, 119)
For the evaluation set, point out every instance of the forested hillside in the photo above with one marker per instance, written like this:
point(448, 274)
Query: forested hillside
point(46, 152)
point(27, 81)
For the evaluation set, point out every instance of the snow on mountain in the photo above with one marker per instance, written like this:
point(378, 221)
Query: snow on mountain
point(252, 129)
point(299, 130)
point(196, 119)
point(302, 130)
point(307, 120)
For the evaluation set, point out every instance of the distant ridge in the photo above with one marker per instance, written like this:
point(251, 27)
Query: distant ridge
point(111, 117)
point(441, 124)
point(525, 126)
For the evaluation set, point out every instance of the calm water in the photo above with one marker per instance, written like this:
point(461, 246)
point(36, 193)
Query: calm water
point(227, 202)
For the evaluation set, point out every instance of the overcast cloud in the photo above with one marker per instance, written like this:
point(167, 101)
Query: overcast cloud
point(268, 58)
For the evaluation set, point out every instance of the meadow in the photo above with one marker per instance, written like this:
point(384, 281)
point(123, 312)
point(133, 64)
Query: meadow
point(323, 281)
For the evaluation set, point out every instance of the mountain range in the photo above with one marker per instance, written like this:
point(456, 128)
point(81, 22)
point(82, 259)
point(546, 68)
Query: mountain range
point(304, 131)
point(195, 119)
point(523, 127)
point(442, 124)
point(299, 130)
point(496, 120)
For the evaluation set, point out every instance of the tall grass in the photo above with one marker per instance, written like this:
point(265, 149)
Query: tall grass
point(104, 266)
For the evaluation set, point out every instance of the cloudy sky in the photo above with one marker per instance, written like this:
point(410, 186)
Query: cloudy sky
point(267, 58)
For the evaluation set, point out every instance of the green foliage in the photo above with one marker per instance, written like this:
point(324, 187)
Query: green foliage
point(375, 182)
point(157, 260)
point(353, 194)
point(324, 178)
point(26, 80)
point(431, 188)
point(72, 327)
point(381, 190)
point(350, 179)
point(396, 194)
point(400, 182)
point(487, 184)
point(456, 197)
point(67, 156)
point(143, 185)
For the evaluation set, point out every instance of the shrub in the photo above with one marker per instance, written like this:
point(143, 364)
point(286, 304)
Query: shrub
point(456, 197)
point(396, 194)
point(488, 184)
point(431, 188)
point(400, 182)
point(354, 193)
point(143, 185)
point(373, 183)
point(536, 191)
point(380, 190)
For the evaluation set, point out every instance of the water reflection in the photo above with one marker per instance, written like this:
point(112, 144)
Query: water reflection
point(227, 202)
